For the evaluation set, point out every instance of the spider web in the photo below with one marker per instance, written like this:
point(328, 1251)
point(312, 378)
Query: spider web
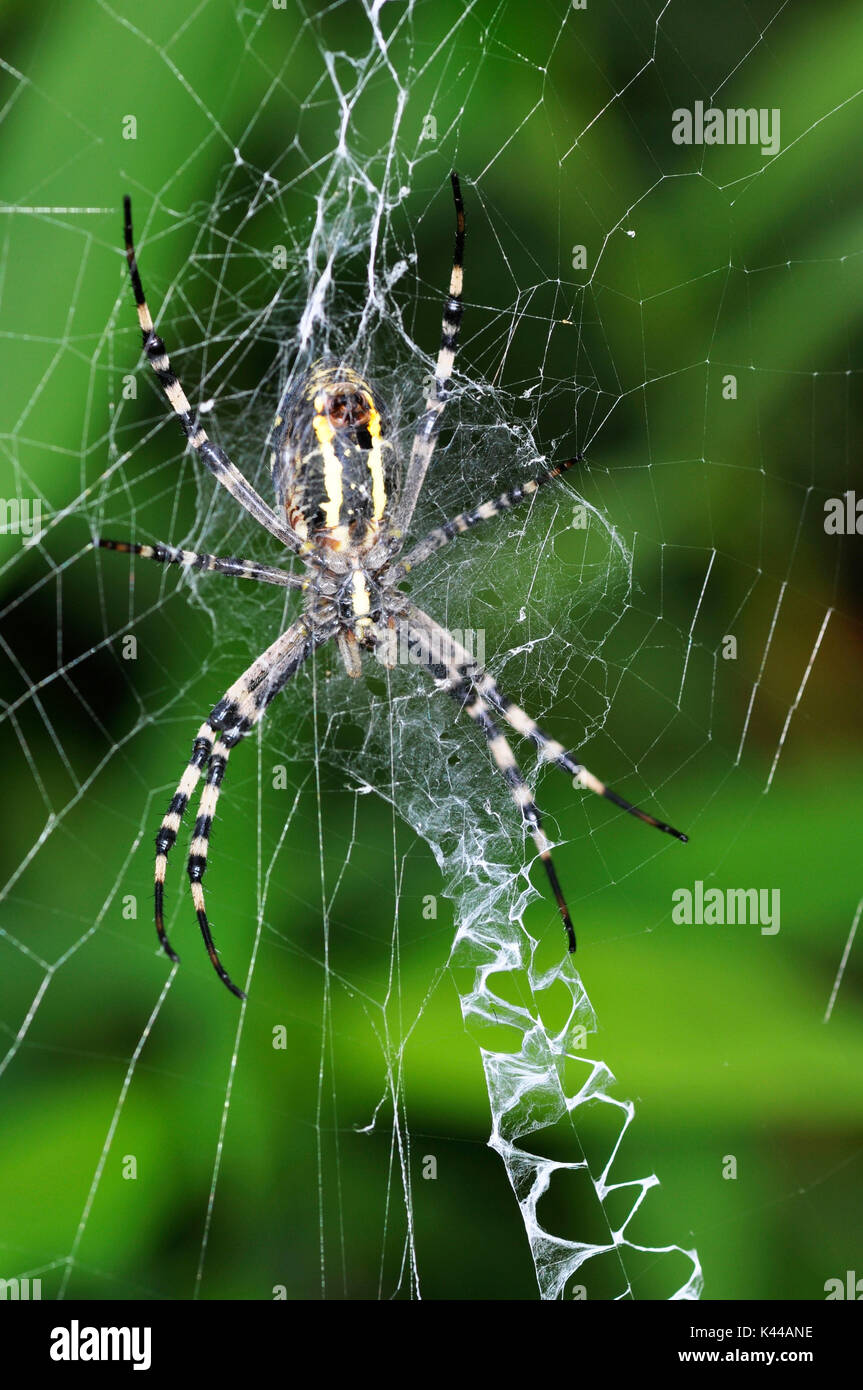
point(333, 1138)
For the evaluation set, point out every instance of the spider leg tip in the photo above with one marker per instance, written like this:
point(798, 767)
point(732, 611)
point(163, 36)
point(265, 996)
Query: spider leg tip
point(235, 989)
point(166, 945)
point(670, 830)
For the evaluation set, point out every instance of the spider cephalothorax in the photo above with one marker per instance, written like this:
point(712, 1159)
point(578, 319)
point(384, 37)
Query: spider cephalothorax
point(336, 476)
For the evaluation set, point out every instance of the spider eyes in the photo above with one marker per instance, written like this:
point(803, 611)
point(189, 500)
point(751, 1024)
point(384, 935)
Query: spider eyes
point(348, 411)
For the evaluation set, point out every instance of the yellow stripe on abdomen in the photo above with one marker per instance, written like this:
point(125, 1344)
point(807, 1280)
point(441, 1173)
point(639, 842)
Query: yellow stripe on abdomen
point(332, 508)
point(376, 466)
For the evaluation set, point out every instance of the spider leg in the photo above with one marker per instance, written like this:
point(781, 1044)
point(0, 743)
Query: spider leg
point(461, 665)
point(463, 691)
point(457, 525)
point(553, 752)
point(239, 710)
point(429, 425)
point(199, 848)
point(215, 458)
point(522, 795)
point(199, 560)
point(166, 838)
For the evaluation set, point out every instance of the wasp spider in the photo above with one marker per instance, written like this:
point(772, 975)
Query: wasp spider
point(341, 509)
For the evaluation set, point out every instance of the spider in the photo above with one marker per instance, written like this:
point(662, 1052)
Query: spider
point(342, 511)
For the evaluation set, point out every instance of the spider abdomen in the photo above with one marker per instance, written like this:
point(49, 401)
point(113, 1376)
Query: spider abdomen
point(335, 472)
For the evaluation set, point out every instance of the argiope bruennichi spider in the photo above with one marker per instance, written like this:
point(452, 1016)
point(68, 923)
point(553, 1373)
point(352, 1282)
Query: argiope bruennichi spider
point(336, 475)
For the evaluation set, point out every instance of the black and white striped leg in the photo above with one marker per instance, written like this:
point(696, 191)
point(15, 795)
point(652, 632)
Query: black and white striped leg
point(199, 560)
point(230, 720)
point(199, 849)
point(215, 458)
point(465, 521)
point(429, 425)
point(553, 752)
point(169, 829)
point(456, 665)
point(474, 705)
point(522, 795)
point(237, 714)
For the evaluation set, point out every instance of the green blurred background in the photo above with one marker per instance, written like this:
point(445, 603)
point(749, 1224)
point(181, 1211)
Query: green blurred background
point(701, 262)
